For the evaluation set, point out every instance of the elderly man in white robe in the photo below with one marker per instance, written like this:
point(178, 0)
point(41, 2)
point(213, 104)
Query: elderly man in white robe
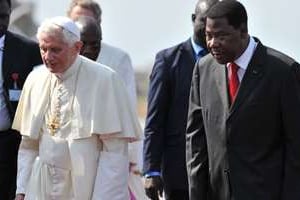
point(76, 122)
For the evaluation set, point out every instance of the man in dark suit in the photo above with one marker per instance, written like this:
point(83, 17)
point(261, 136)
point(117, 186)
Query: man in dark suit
point(243, 124)
point(17, 58)
point(164, 144)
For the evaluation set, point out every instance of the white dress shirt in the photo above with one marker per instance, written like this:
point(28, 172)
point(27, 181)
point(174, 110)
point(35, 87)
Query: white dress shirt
point(244, 60)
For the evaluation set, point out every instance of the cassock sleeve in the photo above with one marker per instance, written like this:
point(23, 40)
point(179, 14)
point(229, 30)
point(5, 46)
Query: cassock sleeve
point(27, 153)
point(112, 172)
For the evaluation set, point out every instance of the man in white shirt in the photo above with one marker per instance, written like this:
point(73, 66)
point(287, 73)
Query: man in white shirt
point(109, 55)
point(90, 34)
point(76, 122)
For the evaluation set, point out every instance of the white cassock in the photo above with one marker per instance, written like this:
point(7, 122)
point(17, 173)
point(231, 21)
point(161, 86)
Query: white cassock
point(86, 156)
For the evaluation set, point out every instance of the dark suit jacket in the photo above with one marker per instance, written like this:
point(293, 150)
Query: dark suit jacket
point(20, 56)
point(164, 144)
point(251, 150)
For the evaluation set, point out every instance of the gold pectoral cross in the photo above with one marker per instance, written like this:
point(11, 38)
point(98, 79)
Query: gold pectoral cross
point(53, 125)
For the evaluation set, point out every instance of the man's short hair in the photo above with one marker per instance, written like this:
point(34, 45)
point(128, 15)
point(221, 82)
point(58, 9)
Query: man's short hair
point(232, 10)
point(87, 4)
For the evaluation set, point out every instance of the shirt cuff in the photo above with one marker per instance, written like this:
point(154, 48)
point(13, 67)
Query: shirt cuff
point(150, 174)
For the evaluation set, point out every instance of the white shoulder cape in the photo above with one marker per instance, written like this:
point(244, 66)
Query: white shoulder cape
point(101, 104)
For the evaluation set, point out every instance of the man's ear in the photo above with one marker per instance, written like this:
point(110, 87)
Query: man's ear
point(244, 30)
point(78, 45)
point(193, 18)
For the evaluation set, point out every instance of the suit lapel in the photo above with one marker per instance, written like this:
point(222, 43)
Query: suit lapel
point(7, 55)
point(219, 72)
point(188, 52)
point(250, 80)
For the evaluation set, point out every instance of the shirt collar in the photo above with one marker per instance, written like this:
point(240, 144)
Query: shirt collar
point(70, 71)
point(2, 41)
point(197, 48)
point(244, 60)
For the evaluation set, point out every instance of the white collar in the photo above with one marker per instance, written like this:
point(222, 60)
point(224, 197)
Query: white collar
point(197, 48)
point(244, 60)
point(70, 71)
point(2, 41)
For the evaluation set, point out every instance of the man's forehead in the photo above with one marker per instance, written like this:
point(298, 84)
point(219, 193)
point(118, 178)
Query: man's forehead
point(78, 11)
point(217, 21)
point(51, 38)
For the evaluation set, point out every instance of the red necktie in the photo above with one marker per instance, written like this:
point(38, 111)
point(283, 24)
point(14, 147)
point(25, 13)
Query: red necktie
point(233, 81)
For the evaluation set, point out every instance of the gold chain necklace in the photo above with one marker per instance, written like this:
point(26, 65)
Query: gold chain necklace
point(54, 123)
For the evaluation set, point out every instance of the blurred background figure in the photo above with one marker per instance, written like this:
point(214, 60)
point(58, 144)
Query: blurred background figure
point(21, 19)
point(110, 56)
point(91, 36)
point(18, 55)
point(170, 81)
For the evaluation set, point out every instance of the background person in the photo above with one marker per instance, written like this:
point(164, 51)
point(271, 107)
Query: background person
point(164, 144)
point(110, 56)
point(90, 35)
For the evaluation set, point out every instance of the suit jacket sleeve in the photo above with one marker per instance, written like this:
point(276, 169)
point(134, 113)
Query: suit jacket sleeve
point(36, 55)
point(290, 102)
point(196, 147)
point(158, 98)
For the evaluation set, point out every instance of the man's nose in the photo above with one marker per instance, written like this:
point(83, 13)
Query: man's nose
point(214, 42)
point(48, 55)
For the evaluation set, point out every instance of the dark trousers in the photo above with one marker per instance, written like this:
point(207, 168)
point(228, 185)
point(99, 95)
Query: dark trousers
point(177, 194)
point(9, 145)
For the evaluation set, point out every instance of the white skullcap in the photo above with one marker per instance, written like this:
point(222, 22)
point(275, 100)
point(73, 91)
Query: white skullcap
point(67, 24)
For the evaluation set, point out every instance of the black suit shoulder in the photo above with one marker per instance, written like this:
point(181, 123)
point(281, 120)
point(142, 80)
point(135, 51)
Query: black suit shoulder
point(277, 56)
point(172, 57)
point(23, 44)
point(22, 39)
point(20, 55)
point(274, 63)
point(205, 63)
point(170, 53)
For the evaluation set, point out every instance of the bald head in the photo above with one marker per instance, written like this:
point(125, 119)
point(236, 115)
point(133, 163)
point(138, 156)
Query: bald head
point(203, 6)
point(198, 19)
point(91, 36)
